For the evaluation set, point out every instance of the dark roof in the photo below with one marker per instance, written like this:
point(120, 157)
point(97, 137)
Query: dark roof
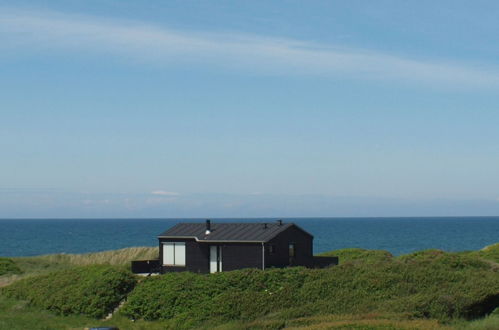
point(228, 232)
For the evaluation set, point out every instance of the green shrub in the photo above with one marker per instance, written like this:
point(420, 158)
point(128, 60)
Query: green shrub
point(429, 284)
point(90, 290)
point(490, 253)
point(450, 285)
point(238, 294)
point(359, 255)
point(454, 261)
point(426, 284)
point(8, 267)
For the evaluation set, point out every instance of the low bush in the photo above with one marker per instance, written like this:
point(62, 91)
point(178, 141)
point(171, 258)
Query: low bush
point(89, 290)
point(490, 253)
point(359, 255)
point(430, 284)
point(242, 294)
point(427, 284)
point(8, 267)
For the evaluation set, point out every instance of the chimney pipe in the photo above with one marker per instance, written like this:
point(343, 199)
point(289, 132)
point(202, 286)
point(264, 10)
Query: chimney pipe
point(279, 222)
point(265, 226)
point(208, 227)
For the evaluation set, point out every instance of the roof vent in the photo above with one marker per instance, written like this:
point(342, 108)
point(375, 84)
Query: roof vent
point(208, 227)
point(265, 226)
point(279, 222)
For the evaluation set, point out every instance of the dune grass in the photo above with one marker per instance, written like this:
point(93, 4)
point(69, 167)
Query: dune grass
point(82, 290)
point(370, 289)
point(114, 257)
point(343, 321)
point(8, 267)
point(359, 255)
point(490, 253)
point(19, 315)
point(29, 266)
point(428, 284)
point(491, 322)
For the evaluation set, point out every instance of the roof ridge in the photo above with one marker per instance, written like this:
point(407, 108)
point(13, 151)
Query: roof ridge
point(228, 231)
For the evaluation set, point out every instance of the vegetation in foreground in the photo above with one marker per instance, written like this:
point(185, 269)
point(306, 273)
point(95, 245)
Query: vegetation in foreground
point(84, 290)
point(430, 284)
point(490, 252)
point(368, 290)
point(30, 266)
point(8, 267)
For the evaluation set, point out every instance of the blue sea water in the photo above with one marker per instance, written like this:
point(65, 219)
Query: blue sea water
point(28, 237)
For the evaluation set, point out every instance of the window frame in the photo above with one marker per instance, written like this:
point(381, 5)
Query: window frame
point(175, 245)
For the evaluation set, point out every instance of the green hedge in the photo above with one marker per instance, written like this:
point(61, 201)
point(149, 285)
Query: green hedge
point(428, 284)
point(90, 290)
point(240, 294)
point(8, 266)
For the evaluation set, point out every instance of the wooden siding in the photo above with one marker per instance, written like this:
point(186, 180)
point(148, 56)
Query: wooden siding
point(196, 256)
point(303, 249)
point(241, 255)
point(245, 255)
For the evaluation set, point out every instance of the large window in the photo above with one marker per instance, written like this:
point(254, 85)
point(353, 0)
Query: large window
point(174, 253)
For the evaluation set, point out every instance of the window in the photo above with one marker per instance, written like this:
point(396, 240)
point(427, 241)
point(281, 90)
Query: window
point(174, 253)
point(272, 249)
point(292, 250)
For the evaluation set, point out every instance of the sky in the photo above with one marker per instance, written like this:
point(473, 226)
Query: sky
point(248, 108)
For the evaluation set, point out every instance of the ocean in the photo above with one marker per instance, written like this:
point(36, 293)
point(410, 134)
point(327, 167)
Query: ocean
point(29, 237)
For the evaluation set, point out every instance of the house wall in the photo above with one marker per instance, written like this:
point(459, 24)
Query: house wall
point(245, 255)
point(303, 249)
point(241, 255)
point(196, 256)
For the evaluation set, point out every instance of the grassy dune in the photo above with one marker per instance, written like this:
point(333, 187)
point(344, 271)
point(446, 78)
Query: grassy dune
point(427, 284)
point(114, 257)
point(370, 289)
point(29, 266)
point(82, 290)
point(8, 267)
point(359, 255)
point(490, 253)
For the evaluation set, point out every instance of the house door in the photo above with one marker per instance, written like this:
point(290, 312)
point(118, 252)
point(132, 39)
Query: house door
point(215, 258)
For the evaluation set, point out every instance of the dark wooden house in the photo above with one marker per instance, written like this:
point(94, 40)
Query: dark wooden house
point(215, 247)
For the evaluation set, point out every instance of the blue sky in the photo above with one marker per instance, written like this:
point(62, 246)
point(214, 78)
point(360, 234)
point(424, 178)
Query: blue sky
point(255, 108)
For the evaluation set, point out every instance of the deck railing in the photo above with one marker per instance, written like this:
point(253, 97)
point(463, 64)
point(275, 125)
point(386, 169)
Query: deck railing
point(145, 266)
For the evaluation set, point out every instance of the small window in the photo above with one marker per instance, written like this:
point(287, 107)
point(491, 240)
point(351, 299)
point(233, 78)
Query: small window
point(272, 249)
point(292, 250)
point(174, 253)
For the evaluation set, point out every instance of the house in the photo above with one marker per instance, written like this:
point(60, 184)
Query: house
point(214, 247)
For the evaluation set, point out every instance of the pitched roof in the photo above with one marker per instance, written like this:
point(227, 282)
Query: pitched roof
point(228, 232)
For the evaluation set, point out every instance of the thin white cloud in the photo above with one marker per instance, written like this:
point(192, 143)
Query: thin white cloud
point(164, 193)
point(95, 202)
point(160, 45)
point(160, 200)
